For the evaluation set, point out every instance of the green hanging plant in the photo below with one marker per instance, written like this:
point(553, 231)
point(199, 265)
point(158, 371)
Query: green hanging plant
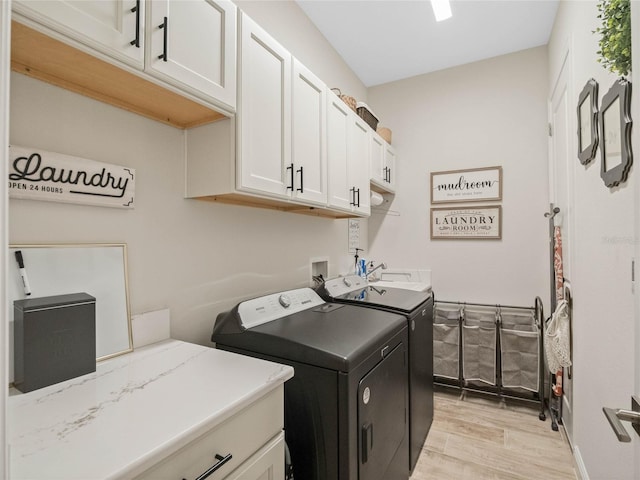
point(615, 35)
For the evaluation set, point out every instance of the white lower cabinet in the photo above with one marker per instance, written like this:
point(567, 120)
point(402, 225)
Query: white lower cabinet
point(266, 464)
point(247, 446)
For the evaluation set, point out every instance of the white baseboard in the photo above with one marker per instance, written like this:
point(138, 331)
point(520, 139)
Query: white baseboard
point(582, 470)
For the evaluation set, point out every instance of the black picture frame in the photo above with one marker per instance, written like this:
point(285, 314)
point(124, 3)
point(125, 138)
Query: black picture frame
point(587, 112)
point(615, 134)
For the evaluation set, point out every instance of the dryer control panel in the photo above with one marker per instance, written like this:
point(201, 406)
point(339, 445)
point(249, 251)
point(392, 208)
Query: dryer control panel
point(341, 285)
point(277, 305)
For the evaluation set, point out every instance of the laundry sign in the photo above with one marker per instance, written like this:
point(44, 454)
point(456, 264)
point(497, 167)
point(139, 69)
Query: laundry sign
point(471, 185)
point(40, 175)
point(466, 223)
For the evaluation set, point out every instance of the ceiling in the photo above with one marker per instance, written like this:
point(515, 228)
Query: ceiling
point(387, 40)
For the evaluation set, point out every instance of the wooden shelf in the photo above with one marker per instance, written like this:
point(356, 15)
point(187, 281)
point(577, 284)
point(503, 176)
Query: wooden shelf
point(250, 201)
point(52, 61)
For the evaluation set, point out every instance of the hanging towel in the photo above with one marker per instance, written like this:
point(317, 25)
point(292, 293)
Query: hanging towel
point(557, 263)
point(559, 286)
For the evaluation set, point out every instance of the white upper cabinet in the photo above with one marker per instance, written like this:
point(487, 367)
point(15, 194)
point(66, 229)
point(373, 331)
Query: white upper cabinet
point(192, 45)
point(390, 164)
point(359, 165)
point(348, 158)
point(338, 120)
point(383, 164)
point(112, 27)
point(189, 45)
point(264, 113)
point(309, 146)
point(378, 172)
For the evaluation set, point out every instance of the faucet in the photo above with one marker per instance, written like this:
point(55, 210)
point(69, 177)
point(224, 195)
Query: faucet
point(382, 266)
point(380, 292)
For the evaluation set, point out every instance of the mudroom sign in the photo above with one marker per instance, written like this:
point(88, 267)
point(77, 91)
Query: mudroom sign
point(466, 223)
point(40, 175)
point(472, 185)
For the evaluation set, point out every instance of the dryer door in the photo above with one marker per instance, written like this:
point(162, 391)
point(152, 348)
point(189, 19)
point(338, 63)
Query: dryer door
point(382, 417)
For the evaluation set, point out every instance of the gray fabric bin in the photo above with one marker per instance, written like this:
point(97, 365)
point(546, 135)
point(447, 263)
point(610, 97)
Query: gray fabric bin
point(446, 341)
point(479, 346)
point(520, 351)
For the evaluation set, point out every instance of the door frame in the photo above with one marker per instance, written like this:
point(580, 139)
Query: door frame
point(563, 78)
point(635, 177)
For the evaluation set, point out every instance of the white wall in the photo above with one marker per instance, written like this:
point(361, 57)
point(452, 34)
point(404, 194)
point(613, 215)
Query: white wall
point(290, 26)
point(489, 113)
point(196, 258)
point(602, 248)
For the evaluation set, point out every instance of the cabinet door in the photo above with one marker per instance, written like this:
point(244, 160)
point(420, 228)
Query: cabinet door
point(309, 146)
point(264, 113)
point(193, 46)
point(378, 171)
point(358, 158)
point(267, 464)
point(338, 118)
point(108, 26)
point(390, 163)
point(228, 447)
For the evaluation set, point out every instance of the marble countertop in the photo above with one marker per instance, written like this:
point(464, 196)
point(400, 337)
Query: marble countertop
point(133, 411)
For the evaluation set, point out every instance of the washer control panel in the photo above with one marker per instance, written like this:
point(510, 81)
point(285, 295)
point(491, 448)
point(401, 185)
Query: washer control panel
point(265, 309)
point(341, 285)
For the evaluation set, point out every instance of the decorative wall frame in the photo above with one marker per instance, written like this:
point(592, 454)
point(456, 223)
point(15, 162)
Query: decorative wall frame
point(470, 185)
point(470, 223)
point(615, 134)
point(587, 111)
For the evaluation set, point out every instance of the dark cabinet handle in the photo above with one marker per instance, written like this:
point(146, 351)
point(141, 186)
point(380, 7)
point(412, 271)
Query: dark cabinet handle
point(221, 461)
point(136, 10)
point(358, 204)
point(290, 187)
point(389, 175)
point(385, 173)
point(367, 441)
point(301, 189)
point(165, 26)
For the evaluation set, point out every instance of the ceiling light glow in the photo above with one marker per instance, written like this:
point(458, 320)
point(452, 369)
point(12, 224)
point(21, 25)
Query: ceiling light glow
point(441, 9)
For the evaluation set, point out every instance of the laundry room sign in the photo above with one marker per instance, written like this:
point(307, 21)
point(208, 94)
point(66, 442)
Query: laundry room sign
point(466, 223)
point(40, 175)
point(471, 185)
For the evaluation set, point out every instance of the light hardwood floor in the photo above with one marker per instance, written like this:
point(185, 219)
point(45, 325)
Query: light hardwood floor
point(479, 438)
